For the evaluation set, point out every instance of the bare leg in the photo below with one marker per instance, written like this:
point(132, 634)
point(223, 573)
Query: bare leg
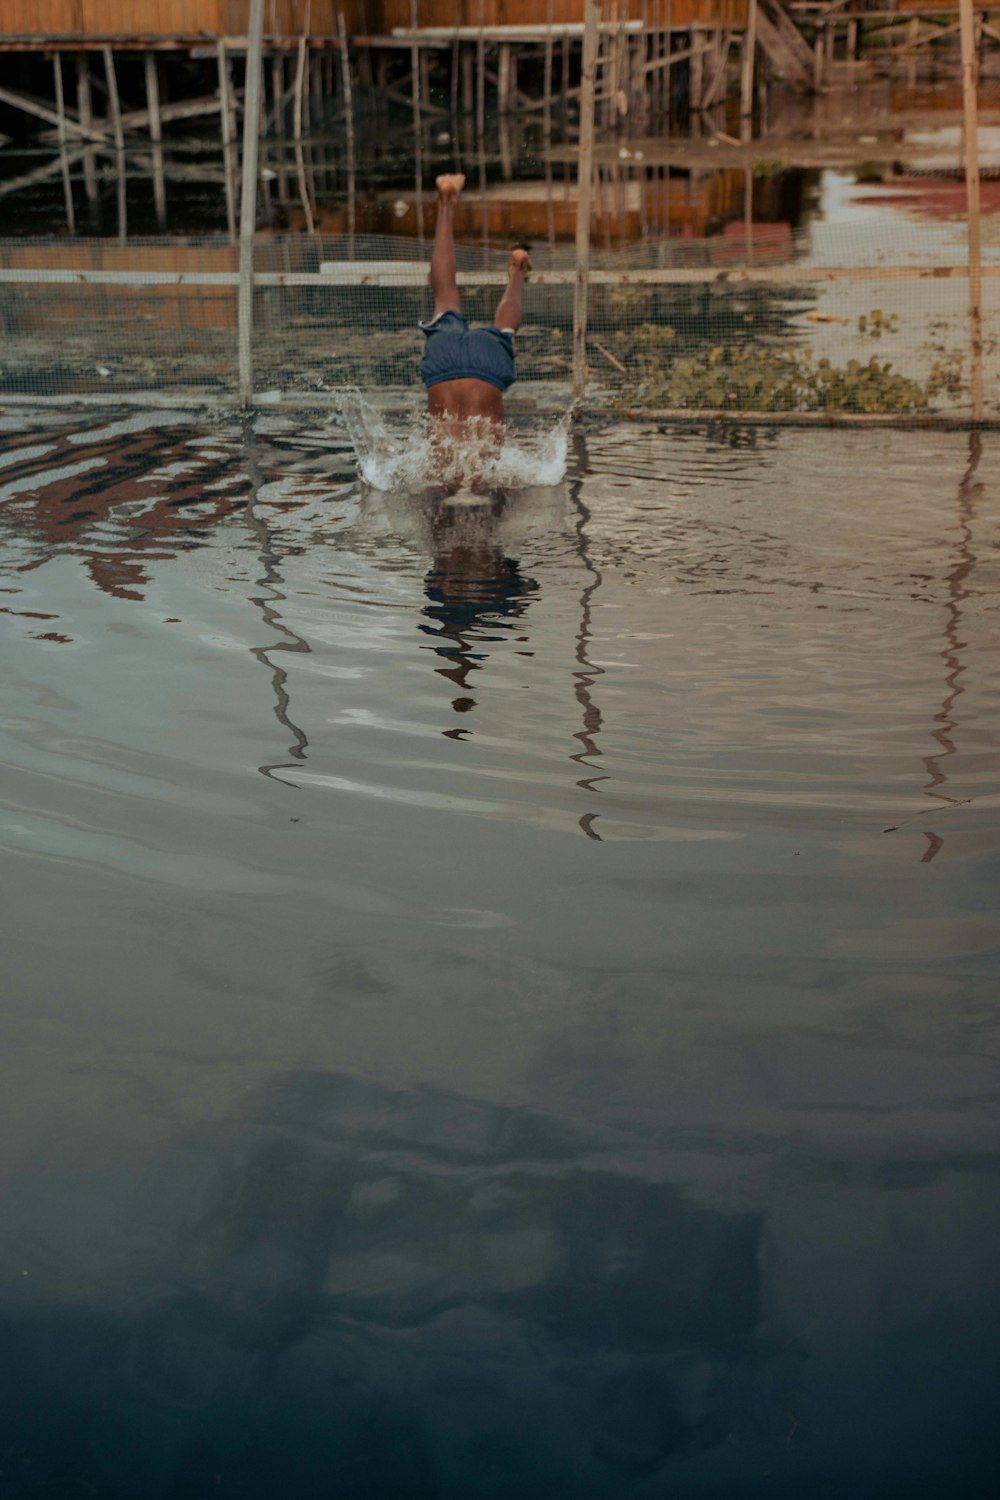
point(508, 313)
point(442, 277)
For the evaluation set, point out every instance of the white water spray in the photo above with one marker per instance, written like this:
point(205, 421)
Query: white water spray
point(403, 459)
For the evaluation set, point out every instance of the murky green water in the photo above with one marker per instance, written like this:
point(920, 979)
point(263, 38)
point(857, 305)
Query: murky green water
point(499, 1001)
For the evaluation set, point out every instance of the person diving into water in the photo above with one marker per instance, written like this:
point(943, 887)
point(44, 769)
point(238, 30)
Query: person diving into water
point(466, 371)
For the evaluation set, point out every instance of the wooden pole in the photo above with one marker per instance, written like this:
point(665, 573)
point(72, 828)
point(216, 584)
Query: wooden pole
point(114, 105)
point(345, 75)
point(85, 110)
point(226, 121)
point(547, 78)
point(418, 142)
point(696, 67)
point(480, 73)
point(970, 120)
point(156, 137)
point(300, 163)
point(746, 73)
point(63, 154)
point(585, 183)
point(248, 200)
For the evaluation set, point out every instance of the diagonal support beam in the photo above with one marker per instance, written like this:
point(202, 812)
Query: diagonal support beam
point(32, 106)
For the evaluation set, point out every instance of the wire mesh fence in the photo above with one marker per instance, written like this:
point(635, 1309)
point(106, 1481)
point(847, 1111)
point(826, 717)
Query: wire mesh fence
point(858, 318)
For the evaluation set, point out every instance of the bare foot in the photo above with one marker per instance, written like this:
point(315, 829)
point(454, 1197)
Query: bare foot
point(519, 263)
point(450, 185)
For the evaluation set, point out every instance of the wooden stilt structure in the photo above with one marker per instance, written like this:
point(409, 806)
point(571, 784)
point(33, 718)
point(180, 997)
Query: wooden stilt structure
point(226, 118)
point(156, 137)
point(248, 198)
point(63, 154)
point(585, 178)
point(300, 166)
point(970, 143)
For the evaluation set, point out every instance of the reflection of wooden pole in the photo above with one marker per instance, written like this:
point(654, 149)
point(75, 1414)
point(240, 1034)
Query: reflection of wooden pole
point(971, 152)
point(585, 182)
point(248, 200)
point(746, 73)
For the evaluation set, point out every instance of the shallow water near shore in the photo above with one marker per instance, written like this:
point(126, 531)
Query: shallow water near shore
point(499, 999)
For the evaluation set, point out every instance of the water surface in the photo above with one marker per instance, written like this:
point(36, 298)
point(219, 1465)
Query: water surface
point(499, 1000)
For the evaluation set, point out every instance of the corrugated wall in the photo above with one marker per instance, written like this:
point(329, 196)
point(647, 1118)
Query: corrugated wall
point(385, 15)
point(189, 18)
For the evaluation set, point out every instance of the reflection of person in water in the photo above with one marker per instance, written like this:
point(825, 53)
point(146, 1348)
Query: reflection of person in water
point(473, 591)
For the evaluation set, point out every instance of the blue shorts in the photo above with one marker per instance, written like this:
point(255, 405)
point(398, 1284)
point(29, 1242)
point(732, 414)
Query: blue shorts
point(453, 353)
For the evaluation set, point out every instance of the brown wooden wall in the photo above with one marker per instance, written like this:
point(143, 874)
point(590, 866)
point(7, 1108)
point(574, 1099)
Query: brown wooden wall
point(58, 306)
point(190, 18)
point(385, 15)
point(171, 17)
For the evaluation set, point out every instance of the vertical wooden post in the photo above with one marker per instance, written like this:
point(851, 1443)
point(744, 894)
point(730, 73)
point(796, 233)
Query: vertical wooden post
point(970, 133)
point(547, 78)
point(86, 112)
point(425, 74)
point(418, 135)
point(695, 75)
point(819, 51)
point(746, 73)
point(585, 183)
point(503, 80)
point(300, 164)
point(669, 42)
point(480, 71)
point(61, 113)
point(226, 121)
point(114, 106)
point(345, 74)
point(248, 199)
point(156, 138)
point(468, 84)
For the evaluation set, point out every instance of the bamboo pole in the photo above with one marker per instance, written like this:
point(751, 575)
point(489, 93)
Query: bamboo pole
point(746, 73)
point(503, 80)
point(547, 78)
point(696, 67)
point(226, 121)
point(585, 181)
point(156, 137)
point(85, 110)
point(114, 105)
point(63, 153)
point(480, 74)
point(300, 164)
point(970, 116)
point(248, 200)
point(418, 142)
point(345, 74)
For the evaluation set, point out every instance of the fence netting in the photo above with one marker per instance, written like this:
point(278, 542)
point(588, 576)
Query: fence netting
point(869, 316)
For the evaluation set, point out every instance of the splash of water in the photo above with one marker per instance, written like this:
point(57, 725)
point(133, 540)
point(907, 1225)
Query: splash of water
point(402, 458)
